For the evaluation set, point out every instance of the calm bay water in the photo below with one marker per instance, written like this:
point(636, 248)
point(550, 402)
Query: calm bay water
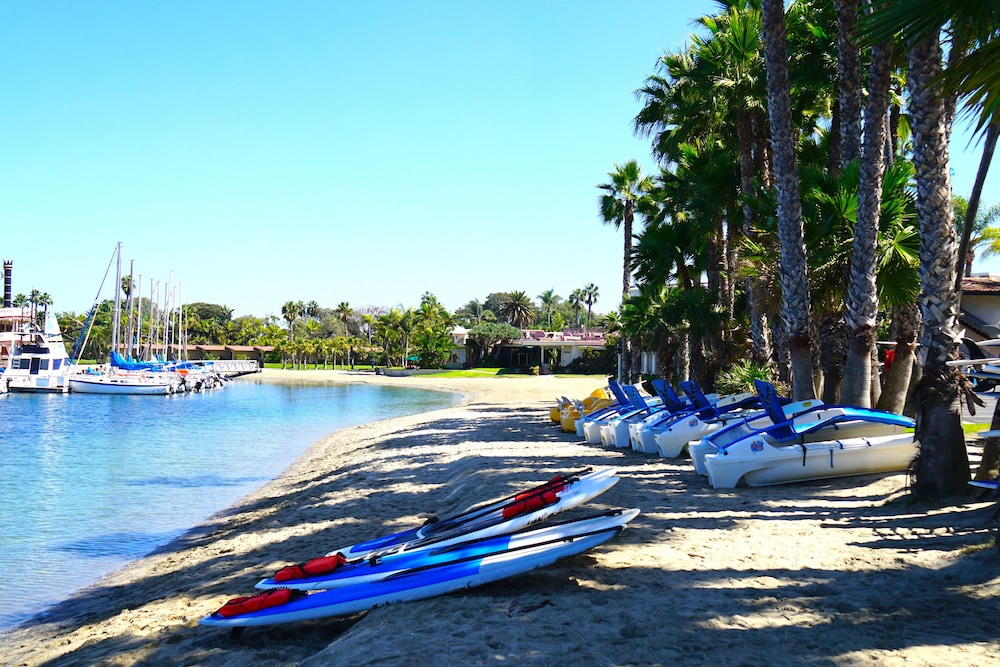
point(89, 482)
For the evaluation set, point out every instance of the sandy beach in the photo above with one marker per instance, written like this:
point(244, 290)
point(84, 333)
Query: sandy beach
point(841, 572)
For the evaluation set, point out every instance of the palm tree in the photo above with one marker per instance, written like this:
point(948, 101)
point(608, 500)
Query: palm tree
point(290, 312)
point(794, 277)
point(861, 306)
point(576, 300)
point(590, 294)
point(942, 466)
point(343, 312)
point(623, 193)
point(368, 320)
point(549, 300)
point(985, 236)
point(849, 81)
point(517, 309)
point(44, 300)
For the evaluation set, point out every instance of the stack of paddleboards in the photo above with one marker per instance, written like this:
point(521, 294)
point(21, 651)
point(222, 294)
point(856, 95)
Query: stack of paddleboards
point(483, 544)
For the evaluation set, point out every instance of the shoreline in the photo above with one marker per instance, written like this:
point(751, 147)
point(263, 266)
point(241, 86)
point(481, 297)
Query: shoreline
point(844, 571)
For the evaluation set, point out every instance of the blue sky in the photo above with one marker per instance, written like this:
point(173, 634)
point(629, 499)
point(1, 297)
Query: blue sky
point(361, 152)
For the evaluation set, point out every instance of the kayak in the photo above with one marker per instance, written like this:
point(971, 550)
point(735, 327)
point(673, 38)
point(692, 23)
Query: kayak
point(286, 605)
point(335, 572)
point(498, 517)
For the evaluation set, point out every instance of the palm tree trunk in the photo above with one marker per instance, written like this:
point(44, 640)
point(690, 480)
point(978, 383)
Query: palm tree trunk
point(848, 80)
point(942, 465)
point(758, 324)
point(832, 353)
point(794, 274)
point(862, 296)
point(896, 387)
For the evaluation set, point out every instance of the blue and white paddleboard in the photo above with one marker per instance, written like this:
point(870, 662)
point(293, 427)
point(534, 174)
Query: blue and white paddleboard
point(284, 605)
point(335, 573)
point(498, 517)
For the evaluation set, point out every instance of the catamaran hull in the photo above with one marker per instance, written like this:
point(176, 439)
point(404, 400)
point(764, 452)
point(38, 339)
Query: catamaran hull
point(761, 463)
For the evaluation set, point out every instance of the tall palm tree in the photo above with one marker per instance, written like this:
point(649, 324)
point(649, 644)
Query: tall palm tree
point(290, 312)
point(517, 309)
point(623, 194)
point(344, 312)
point(590, 294)
point(942, 466)
point(848, 81)
point(861, 307)
point(44, 300)
point(794, 278)
point(549, 300)
point(576, 300)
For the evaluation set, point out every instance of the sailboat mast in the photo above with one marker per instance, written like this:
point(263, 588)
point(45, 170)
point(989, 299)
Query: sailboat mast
point(116, 323)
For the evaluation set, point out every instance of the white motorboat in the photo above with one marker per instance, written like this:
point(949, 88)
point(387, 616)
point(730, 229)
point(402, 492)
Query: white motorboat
point(36, 356)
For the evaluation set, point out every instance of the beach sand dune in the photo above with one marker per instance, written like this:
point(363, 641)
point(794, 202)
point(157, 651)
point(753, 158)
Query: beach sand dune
point(841, 572)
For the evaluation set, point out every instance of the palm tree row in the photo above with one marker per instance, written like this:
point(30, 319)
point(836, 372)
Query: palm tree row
point(516, 308)
point(33, 301)
point(795, 215)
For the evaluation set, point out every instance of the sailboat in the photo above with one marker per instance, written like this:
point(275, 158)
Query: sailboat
point(122, 375)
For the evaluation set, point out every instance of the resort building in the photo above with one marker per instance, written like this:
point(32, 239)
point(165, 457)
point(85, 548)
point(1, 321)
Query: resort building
point(545, 349)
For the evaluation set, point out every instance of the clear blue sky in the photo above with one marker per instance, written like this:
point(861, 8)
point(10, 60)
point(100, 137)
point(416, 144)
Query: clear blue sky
point(328, 151)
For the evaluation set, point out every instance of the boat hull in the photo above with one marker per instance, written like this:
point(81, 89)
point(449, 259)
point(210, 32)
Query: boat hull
point(761, 463)
point(124, 387)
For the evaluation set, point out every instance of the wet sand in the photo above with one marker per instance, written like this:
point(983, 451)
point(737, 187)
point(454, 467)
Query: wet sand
point(850, 571)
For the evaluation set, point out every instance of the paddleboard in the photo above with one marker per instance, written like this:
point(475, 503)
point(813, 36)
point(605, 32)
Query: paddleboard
point(986, 485)
point(498, 517)
point(332, 572)
point(285, 605)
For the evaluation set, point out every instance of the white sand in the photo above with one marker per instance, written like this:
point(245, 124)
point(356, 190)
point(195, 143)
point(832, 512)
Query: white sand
point(842, 572)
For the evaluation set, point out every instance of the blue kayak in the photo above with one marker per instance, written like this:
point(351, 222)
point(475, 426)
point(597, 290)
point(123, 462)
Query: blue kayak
point(462, 570)
point(333, 572)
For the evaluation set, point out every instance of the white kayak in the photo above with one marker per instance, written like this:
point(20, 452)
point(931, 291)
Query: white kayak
point(498, 517)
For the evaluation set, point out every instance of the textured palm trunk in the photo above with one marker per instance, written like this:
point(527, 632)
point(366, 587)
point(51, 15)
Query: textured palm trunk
point(793, 274)
point(942, 464)
point(862, 296)
point(896, 384)
point(758, 324)
point(833, 346)
point(625, 342)
point(848, 80)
